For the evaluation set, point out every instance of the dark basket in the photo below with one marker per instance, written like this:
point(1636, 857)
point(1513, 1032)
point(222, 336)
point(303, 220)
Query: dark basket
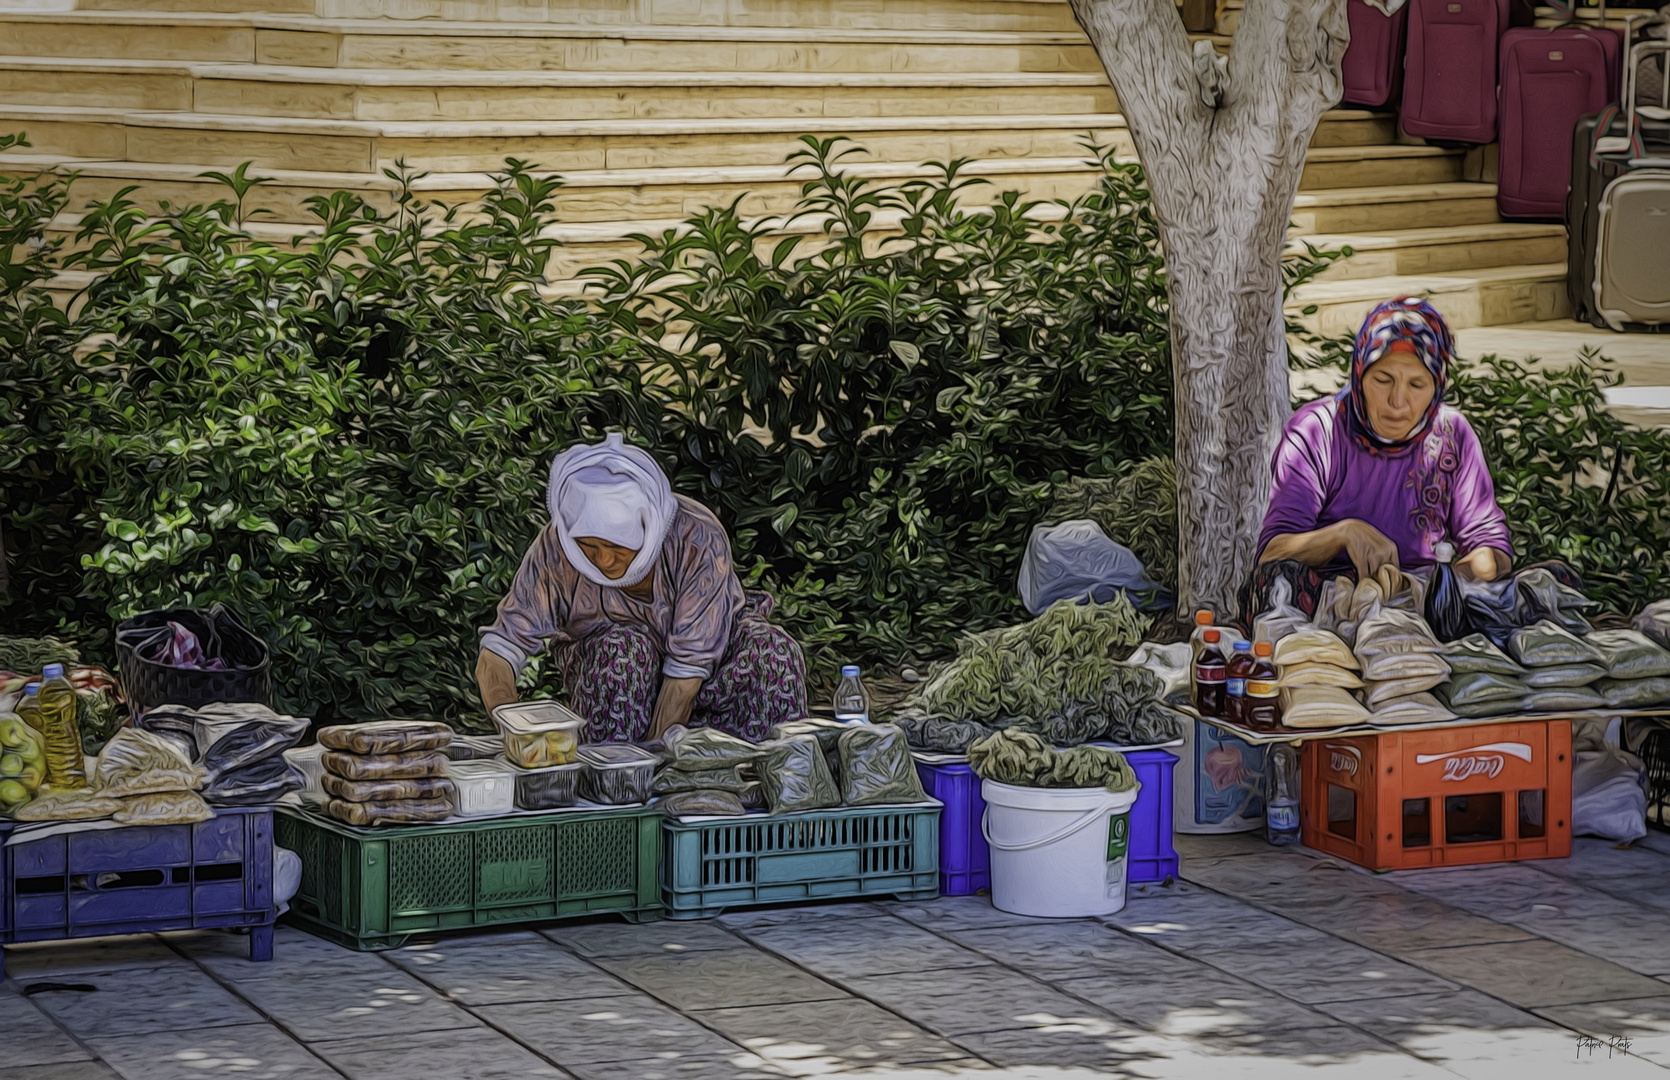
point(149, 684)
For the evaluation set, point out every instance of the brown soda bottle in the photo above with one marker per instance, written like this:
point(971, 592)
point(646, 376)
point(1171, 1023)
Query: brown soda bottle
point(1235, 685)
point(1210, 676)
point(1263, 701)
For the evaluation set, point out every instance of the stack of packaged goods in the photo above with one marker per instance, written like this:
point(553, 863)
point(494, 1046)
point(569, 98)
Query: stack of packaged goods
point(1561, 666)
point(387, 771)
point(1637, 669)
point(1484, 680)
point(1402, 661)
point(1318, 674)
point(141, 778)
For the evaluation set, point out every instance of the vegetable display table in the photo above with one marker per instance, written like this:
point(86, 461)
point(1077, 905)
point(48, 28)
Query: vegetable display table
point(88, 879)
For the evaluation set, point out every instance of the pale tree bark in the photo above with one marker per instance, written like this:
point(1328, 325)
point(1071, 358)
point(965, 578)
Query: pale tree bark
point(1223, 147)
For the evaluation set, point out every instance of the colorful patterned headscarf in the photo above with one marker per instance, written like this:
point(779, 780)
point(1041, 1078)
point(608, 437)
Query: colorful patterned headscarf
point(1403, 323)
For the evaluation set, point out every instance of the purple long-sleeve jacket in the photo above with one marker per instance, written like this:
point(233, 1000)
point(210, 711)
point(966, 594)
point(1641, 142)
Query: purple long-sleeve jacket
point(1435, 490)
point(697, 599)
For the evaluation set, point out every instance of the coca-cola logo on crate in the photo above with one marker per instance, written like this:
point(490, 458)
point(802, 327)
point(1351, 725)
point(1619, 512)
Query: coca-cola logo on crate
point(1487, 760)
point(1344, 759)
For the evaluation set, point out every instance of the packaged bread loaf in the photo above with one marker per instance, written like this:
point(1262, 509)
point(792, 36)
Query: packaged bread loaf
point(371, 791)
point(412, 766)
point(386, 737)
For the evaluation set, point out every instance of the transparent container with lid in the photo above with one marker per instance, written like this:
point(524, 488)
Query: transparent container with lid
point(616, 774)
point(852, 698)
point(538, 734)
point(550, 788)
point(482, 788)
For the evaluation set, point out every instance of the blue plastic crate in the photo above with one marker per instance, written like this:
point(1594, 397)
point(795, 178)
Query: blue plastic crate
point(709, 866)
point(142, 879)
point(965, 861)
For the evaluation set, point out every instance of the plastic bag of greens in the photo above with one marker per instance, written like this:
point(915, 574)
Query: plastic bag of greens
point(1495, 694)
point(826, 731)
point(705, 748)
point(1630, 654)
point(1562, 675)
point(1545, 644)
point(1379, 692)
point(1654, 621)
point(876, 767)
point(752, 795)
point(1446, 606)
point(940, 734)
point(1634, 693)
point(796, 777)
point(674, 781)
point(164, 808)
point(1563, 699)
point(1477, 653)
point(703, 803)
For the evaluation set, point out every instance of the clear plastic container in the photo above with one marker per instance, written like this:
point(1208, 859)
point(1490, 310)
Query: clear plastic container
point(475, 748)
point(484, 788)
point(550, 788)
point(616, 774)
point(538, 734)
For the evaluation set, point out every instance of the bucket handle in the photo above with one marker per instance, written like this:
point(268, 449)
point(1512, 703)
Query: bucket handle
point(1082, 822)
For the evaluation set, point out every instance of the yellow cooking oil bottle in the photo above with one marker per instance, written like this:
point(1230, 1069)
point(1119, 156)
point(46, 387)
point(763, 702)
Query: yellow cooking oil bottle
point(65, 767)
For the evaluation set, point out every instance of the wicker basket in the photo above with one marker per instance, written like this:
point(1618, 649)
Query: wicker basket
point(149, 684)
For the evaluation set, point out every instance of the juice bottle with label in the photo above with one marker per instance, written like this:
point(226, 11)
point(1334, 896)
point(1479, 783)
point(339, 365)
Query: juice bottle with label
point(1235, 682)
point(1197, 640)
point(1210, 673)
point(65, 767)
point(1263, 690)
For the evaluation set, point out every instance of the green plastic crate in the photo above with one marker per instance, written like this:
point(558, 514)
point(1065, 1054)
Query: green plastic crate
point(372, 888)
point(818, 855)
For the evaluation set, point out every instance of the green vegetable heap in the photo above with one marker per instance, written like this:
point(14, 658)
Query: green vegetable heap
point(1025, 760)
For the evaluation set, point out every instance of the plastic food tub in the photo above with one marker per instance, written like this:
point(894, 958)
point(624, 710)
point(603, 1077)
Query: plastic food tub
point(616, 774)
point(538, 734)
point(550, 788)
point(482, 788)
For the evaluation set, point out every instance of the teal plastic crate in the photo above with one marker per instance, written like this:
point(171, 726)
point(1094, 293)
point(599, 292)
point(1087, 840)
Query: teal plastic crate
point(709, 866)
point(372, 888)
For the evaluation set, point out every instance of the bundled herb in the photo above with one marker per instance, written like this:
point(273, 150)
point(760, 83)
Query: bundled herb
point(27, 655)
point(1023, 759)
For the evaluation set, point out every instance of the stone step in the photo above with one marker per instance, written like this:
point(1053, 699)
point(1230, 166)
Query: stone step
point(423, 96)
point(219, 140)
point(307, 41)
point(1376, 209)
point(1420, 251)
point(1483, 297)
point(956, 15)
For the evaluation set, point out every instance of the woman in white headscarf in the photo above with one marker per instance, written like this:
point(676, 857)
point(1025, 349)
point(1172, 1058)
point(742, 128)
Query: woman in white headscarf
point(633, 588)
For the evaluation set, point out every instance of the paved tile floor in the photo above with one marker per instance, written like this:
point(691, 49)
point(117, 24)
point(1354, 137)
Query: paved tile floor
point(1259, 962)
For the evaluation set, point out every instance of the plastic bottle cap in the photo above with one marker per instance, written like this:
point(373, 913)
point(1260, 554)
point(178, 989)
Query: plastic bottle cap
point(1443, 552)
point(850, 670)
point(1243, 646)
point(1211, 637)
point(31, 688)
point(1263, 648)
point(52, 671)
point(1203, 617)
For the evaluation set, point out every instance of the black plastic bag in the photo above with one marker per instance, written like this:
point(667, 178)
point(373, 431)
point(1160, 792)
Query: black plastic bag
point(1545, 591)
point(876, 767)
point(1446, 607)
point(796, 777)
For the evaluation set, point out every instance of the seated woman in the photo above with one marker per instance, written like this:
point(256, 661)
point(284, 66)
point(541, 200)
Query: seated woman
point(1383, 471)
point(649, 626)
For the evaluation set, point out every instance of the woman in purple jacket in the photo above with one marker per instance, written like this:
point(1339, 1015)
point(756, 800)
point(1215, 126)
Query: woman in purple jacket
point(1383, 471)
point(632, 588)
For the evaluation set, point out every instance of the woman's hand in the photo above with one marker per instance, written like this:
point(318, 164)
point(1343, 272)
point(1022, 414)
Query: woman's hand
point(673, 705)
point(496, 680)
point(1484, 564)
point(1367, 547)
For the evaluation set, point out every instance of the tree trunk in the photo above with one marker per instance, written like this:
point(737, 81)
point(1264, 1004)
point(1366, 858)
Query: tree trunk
point(1223, 149)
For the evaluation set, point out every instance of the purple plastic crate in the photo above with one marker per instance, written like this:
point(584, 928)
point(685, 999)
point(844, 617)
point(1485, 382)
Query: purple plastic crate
point(142, 879)
point(965, 861)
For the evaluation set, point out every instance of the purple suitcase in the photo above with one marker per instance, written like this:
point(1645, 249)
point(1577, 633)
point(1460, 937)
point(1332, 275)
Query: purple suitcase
point(1373, 63)
point(1550, 79)
point(1449, 69)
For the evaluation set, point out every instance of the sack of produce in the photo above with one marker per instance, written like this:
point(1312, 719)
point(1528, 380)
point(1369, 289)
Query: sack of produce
point(1023, 759)
point(876, 767)
point(1320, 675)
point(1390, 632)
point(1634, 693)
point(137, 762)
point(703, 803)
point(1406, 666)
point(1314, 647)
point(1654, 621)
point(1475, 652)
point(386, 737)
point(707, 748)
point(405, 811)
point(164, 808)
point(1320, 707)
point(1484, 688)
point(413, 766)
point(1563, 699)
point(381, 791)
point(1630, 654)
point(82, 804)
point(22, 763)
point(1558, 675)
point(752, 796)
point(671, 781)
point(1414, 709)
point(940, 734)
point(828, 733)
point(1378, 692)
point(796, 777)
point(1544, 644)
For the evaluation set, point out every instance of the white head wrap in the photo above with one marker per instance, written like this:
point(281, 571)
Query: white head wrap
point(613, 492)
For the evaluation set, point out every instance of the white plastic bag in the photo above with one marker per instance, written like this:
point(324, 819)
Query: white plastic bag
point(1076, 559)
point(1608, 796)
point(1282, 618)
point(1170, 662)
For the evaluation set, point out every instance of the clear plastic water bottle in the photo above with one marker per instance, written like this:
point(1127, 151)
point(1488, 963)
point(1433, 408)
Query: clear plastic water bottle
point(1281, 794)
point(852, 700)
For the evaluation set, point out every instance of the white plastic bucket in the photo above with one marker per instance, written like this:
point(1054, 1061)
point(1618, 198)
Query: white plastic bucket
point(1057, 852)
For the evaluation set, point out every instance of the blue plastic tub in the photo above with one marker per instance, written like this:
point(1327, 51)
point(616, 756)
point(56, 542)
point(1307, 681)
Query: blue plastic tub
point(965, 862)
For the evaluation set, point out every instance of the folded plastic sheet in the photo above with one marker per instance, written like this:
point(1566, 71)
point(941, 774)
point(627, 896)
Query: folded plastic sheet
point(796, 776)
point(1545, 644)
point(1630, 654)
point(263, 782)
point(1419, 708)
point(1376, 693)
point(876, 767)
point(1634, 693)
point(386, 737)
point(1314, 646)
point(1562, 675)
point(1319, 675)
point(1563, 699)
point(1321, 707)
point(1477, 653)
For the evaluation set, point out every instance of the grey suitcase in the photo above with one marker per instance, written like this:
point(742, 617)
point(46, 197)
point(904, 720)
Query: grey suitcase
point(1632, 219)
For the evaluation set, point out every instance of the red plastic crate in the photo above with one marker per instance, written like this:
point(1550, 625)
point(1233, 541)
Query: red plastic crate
point(1404, 799)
